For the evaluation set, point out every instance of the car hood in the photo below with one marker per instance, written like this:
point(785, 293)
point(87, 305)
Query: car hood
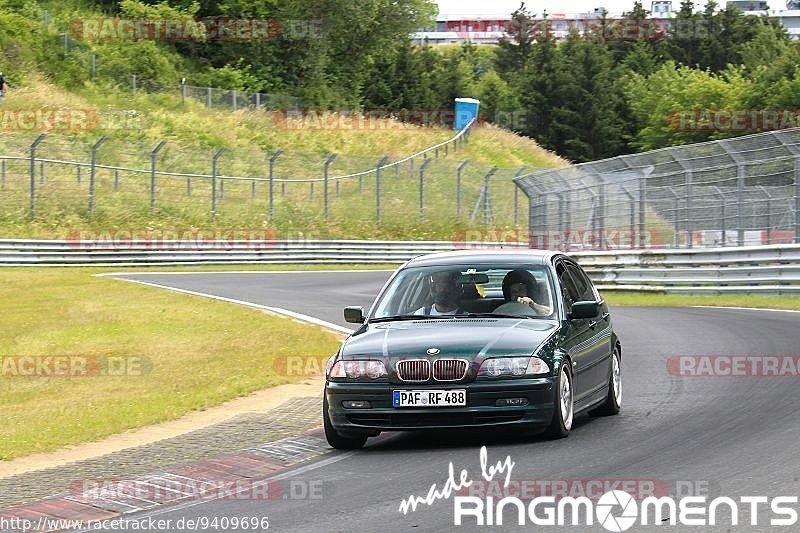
point(474, 339)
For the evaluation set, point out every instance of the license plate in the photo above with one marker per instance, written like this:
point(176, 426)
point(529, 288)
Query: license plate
point(429, 398)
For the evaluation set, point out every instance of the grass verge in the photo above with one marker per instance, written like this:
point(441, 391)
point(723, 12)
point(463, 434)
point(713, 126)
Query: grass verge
point(195, 353)
point(660, 299)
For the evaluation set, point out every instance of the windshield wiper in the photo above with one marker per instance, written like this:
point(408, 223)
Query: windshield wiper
point(406, 317)
point(489, 315)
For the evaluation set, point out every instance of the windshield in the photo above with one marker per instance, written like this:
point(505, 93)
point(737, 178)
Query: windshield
point(511, 291)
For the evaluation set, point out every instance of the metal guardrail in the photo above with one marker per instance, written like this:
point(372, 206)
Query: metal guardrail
point(762, 269)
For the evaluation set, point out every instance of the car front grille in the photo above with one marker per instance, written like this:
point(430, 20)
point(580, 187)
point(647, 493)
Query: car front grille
point(449, 369)
point(414, 370)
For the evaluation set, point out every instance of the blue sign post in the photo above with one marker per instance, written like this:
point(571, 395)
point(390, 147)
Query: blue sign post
point(466, 110)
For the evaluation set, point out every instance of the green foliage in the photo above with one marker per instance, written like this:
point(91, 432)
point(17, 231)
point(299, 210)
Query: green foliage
point(660, 103)
point(589, 97)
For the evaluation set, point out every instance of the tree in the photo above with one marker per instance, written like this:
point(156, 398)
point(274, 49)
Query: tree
point(513, 54)
point(587, 124)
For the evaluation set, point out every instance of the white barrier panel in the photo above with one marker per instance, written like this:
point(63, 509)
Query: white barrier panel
point(765, 269)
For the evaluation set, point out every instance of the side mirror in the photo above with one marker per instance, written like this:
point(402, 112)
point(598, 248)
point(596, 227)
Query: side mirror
point(354, 315)
point(586, 309)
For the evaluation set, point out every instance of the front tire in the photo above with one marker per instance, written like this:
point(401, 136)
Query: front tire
point(613, 401)
point(564, 405)
point(335, 439)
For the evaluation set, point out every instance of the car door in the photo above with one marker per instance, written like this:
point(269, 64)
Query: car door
point(598, 338)
point(576, 343)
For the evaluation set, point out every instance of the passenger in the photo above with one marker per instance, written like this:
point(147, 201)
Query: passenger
point(444, 289)
point(520, 287)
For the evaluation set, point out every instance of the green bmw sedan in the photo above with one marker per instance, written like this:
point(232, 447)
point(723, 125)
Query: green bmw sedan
point(475, 339)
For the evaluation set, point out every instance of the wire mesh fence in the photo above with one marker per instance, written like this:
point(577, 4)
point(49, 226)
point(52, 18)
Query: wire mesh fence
point(124, 182)
point(734, 192)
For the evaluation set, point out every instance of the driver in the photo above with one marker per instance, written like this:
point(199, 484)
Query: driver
point(521, 288)
point(444, 289)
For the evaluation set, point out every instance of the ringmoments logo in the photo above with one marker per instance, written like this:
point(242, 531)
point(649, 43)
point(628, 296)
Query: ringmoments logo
point(615, 510)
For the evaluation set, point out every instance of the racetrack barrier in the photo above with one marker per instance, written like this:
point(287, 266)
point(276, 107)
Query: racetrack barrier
point(762, 269)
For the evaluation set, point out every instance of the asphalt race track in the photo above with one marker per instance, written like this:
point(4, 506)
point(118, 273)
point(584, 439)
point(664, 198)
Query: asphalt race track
point(726, 436)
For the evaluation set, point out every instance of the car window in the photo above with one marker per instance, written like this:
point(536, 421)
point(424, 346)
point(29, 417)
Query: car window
point(583, 284)
point(469, 289)
point(568, 288)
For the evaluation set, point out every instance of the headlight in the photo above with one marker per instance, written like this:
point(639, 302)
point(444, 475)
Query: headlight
point(513, 366)
point(537, 366)
point(358, 369)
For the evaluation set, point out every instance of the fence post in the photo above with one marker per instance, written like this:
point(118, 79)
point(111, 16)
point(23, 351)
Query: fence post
point(258, 100)
point(689, 210)
point(66, 42)
point(769, 212)
point(39, 139)
point(487, 196)
point(233, 99)
point(458, 188)
point(378, 187)
point(153, 156)
point(183, 91)
point(208, 97)
point(740, 204)
point(214, 161)
point(272, 160)
point(632, 204)
point(328, 161)
point(602, 204)
point(796, 200)
point(92, 171)
point(642, 208)
point(133, 82)
point(516, 194)
point(422, 189)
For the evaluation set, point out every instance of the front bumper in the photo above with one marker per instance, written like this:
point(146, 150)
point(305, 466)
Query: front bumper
point(481, 409)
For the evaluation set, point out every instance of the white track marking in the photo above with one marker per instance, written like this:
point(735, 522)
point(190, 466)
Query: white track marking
point(276, 310)
point(111, 274)
point(746, 308)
